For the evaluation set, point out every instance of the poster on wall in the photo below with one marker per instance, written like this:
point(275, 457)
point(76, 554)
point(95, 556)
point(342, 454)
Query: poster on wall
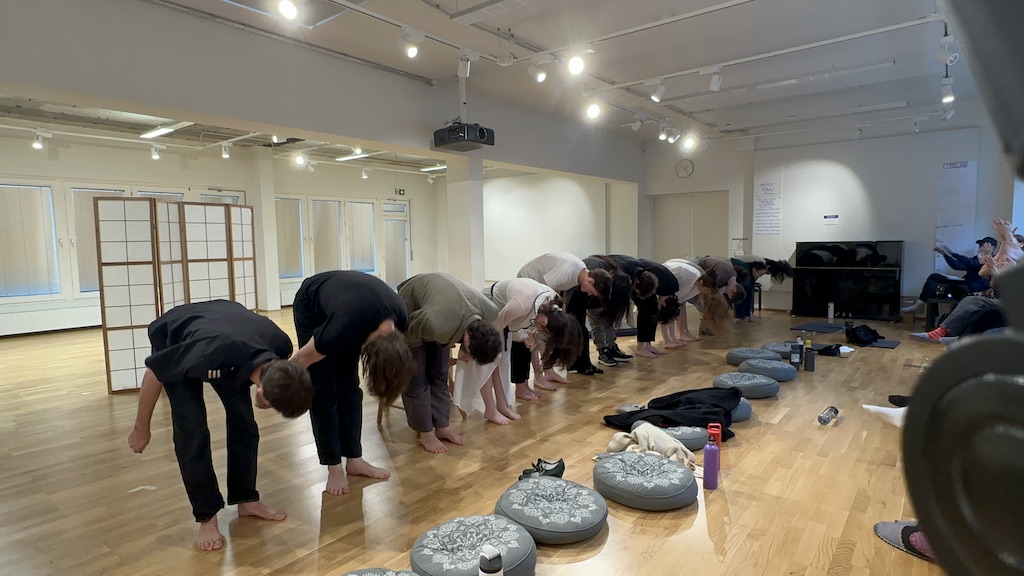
point(957, 196)
point(768, 209)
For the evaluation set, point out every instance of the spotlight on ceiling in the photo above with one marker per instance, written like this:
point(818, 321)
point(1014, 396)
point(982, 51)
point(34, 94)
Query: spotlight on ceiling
point(309, 167)
point(593, 111)
point(365, 175)
point(689, 143)
point(674, 136)
point(288, 9)
point(430, 179)
point(716, 82)
point(275, 139)
point(37, 144)
point(538, 74)
point(917, 128)
point(576, 65)
point(663, 134)
point(299, 159)
point(948, 113)
point(659, 92)
point(357, 150)
point(409, 42)
point(638, 123)
point(225, 151)
point(947, 94)
point(154, 153)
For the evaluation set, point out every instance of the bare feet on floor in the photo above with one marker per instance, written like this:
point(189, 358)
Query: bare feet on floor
point(689, 337)
point(645, 353)
point(261, 510)
point(431, 443)
point(543, 384)
point(360, 467)
point(508, 412)
point(655, 350)
point(210, 537)
point(524, 392)
point(674, 344)
point(552, 376)
point(337, 480)
point(496, 417)
point(449, 435)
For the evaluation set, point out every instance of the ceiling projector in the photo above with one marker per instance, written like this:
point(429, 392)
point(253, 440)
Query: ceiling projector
point(463, 137)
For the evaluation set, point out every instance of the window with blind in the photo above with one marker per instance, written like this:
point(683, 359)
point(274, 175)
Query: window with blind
point(165, 196)
point(289, 237)
point(84, 235)
point(326, 230)
point(28, 242)
point(362, 237)
point(220, 198)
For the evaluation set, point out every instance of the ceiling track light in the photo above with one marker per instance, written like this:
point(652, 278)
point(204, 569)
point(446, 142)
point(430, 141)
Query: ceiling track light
point(310, 167)
point(225, 151)
point(37, 144)
point(659, 92)
point(663, 134)
point(948, 113)
point(538, 74)
point(288, 9)
point(674, 136)
point(365, 175)
point(275, 139)
point(410, 41)
point(594, 110)
point(716, 82)
point(430, 179)
point(689, 143)
point(638, 122)
point(299, 159)
point(357, 150)
point(154, 153)
point(576, 63)
point(947, 94)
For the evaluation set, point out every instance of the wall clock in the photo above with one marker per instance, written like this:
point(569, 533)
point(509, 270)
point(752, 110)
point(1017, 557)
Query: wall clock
point(684, 168)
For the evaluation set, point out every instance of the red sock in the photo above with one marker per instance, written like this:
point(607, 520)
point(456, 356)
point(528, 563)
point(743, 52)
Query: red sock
point(938, 333)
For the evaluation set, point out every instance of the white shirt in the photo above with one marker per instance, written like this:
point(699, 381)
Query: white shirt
point(518, 301)
point(559, 271)
point(687, 273)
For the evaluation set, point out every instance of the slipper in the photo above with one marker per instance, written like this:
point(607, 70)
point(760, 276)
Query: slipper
point(907, 537)
point(544, 468)
point(899, 401)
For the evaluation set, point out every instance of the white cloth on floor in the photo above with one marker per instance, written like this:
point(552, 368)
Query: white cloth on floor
point(894, 416)
point(649, 438)
point(470, 377)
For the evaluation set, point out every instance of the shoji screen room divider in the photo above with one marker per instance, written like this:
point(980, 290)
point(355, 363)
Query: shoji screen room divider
point(156, 255)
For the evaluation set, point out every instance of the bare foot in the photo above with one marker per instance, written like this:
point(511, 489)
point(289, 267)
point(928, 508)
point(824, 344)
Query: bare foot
point(261, 510)
point(431, 443)
point(337, 480)
point(524, 392)
point(449, 435)
point(543, 384)
point(645, 353)
point(689, 337)
point(656, 350)
point(508, 411)
point(210, 537)
point(360, 467)
point(552, 376)
point(674, 344)
point(496, 417)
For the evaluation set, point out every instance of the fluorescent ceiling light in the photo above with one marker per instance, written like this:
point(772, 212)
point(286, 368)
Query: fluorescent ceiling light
point(163, 130)
point(350, 157)
point(288, 9)
point(432, 168)
point(659, 92)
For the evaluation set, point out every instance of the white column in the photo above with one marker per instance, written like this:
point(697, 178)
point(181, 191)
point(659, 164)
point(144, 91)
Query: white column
point(261, 197)
point(465, 219)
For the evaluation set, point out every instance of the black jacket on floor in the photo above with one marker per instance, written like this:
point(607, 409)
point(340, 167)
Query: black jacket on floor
point(687, 408)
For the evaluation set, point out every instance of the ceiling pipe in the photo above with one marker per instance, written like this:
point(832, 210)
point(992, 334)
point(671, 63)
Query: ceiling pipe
point(232, 140)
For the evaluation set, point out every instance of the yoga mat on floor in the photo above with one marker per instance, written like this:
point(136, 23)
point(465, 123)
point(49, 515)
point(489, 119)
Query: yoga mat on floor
point(887, 344)
point(625, 332)
point(822, 327)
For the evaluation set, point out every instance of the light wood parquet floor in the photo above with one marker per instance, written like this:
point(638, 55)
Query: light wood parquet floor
point(796, 498)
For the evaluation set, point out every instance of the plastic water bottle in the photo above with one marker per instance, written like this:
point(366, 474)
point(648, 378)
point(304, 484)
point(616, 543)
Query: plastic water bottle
point(831, 312)
point(490, 561)
point(712, 463)
point(827, 416)
point(809, 355)
point(794, 353)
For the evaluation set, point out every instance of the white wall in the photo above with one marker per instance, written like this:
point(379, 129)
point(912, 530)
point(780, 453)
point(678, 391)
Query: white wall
point(526, 216)
point(622, 214)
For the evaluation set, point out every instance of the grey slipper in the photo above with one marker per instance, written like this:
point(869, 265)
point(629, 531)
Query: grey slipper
point(905, 536)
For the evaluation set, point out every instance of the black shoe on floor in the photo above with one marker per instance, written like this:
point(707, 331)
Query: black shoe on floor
point(544, 468)
point(899, 401)
point(605, 359)
point(619, 355)
point(588, 371)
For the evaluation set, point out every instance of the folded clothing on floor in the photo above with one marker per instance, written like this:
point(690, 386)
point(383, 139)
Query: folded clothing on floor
point(687, 408)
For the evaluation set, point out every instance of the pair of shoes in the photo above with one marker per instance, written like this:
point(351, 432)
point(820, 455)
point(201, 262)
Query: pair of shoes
point(899, 401)
point(605, 358)
point(588, 371)
point(618, 355)
point(544, 468)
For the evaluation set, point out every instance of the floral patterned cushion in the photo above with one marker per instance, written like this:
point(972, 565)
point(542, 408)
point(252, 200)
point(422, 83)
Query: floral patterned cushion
point(645, 481)
point(739, 355)
point(781, 348)
point(778, 371)
point(751, 385)
point(553, 510)
point(379, 572)
point(453, 548)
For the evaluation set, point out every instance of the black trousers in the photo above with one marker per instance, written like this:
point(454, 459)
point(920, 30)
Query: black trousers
point(520, 362)
point(576, 303)
point(428, 404)
point(932, 284)
point(337, 410)
point(646, 325)
point(192, 445)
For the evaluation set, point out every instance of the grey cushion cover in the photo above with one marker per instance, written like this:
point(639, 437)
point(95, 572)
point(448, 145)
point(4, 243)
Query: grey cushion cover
point(553, 510)
point(453, 548)
point(379, 572)
point(751, 385)
point(783, 349)
point(737, 356)
point(780, 371)
point(645, 481)
point(692, 437)
point(743, 411)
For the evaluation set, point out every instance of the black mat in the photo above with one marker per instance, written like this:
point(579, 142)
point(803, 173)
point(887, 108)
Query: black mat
point(887, 344)
point(821, 327)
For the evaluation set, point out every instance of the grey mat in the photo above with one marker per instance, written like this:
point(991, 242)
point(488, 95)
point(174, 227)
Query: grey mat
point(887, 344)
point(820, 327)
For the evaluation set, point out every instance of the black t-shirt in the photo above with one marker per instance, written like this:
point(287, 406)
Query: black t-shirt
point(629, 265)
point(668, 284)
point(346, 307)
point(220, 341)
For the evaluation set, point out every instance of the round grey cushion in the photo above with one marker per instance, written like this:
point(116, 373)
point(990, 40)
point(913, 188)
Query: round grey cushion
point(692, 437)
point(645, 481)
point(779, 371)
point(738, 356)
point(453, 548)
point(379, 572)
point(783, 349)
point(743, 411)
point(553, 510)
point(751, 385)
point(626, 408)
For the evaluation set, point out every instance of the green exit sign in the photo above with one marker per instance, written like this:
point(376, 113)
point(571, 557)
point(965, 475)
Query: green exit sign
point(399, 191)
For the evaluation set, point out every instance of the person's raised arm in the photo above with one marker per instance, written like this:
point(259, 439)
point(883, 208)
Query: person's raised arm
point(307, 355)
point(148, 396)
point(1008, 247)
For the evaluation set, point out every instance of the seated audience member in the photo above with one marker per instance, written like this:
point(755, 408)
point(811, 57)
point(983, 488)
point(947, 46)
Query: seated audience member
point(970, 266)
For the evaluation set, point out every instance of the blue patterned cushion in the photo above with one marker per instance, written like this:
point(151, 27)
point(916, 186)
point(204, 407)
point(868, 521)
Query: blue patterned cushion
point(645, 481)
point(453, 548)
point(778, 371)
point(737, 356)
point(743, 411)
point(553, 510)
point(783, 349)
point(752, 386)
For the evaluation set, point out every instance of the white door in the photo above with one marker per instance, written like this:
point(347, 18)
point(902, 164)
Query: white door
point(396, 251)
point(691, 225)
point(325, 221)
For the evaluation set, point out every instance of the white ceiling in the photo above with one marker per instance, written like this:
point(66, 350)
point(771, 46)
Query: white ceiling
point(896, 70)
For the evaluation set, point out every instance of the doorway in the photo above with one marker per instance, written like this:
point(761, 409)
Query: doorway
point(691, 225)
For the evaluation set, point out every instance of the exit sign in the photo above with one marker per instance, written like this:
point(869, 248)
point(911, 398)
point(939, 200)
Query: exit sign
point(399, 191)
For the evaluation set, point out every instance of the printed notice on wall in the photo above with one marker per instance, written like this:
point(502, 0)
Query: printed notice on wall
point(957, 197)
point(768, 209)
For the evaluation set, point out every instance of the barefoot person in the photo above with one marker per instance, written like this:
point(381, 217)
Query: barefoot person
point(629, 281)
point(661, 307)
point(443, 311)
point(569, 276)
point(232, 348)
point(341, 316)
point(693, 284)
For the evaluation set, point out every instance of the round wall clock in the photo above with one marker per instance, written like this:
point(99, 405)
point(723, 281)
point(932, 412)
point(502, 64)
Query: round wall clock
point(684, 168)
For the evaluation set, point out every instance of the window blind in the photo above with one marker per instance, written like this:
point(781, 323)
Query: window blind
point(28, 242)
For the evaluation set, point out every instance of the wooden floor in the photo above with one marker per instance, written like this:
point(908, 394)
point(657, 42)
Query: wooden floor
point(796, 498)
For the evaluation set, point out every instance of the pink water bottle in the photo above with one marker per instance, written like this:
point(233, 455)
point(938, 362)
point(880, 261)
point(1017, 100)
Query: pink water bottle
point(712, 457)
